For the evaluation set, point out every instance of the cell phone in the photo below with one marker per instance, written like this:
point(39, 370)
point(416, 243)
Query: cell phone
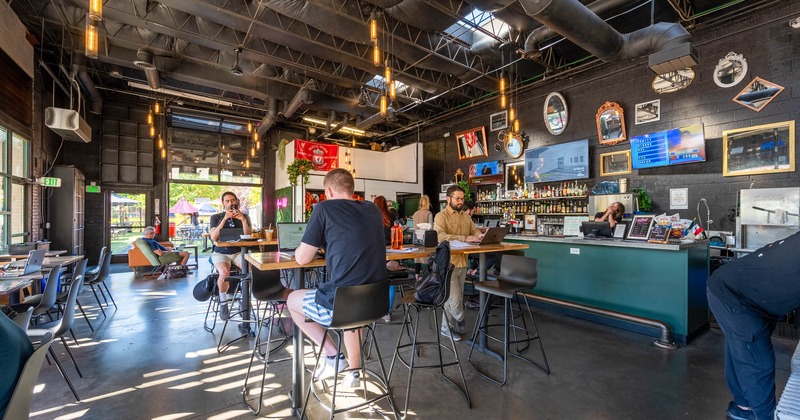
point(234, 207)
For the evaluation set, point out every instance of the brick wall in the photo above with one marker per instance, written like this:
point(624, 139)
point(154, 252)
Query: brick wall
point(772, 50)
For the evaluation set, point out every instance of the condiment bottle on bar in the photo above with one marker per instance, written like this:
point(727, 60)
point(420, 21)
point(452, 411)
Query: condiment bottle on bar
point(397, 236)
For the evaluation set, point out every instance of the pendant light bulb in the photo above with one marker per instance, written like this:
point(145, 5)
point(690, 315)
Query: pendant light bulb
point(152, 131)
point(383, 105)
point(255, 136)
point(373, 28)
point(92, 39)
point(376, 56)
point(157, 108)
point(160, 143)
point(253, 151)
point(163, 153)
point(354, 142)
point(249, 127)
point(516, 126)
point(247, 163)
point(511, 113)
point(258, 145)
point(503, 82)
point(503, 100)
point(149, 118)
point(393, 91)
point(387, 74)
point(96, 9)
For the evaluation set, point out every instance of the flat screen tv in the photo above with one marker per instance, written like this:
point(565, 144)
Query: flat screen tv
point(671, 147)
point(558, 162)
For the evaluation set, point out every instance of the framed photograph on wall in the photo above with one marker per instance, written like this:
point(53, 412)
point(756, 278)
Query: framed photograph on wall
point(647, 112)
point(761, 149)
point(498, 121)
point(615, 163)
point(472, 143)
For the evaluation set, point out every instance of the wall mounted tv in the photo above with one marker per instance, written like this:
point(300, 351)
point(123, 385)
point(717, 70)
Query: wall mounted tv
point(557, 162)
point(671, 147)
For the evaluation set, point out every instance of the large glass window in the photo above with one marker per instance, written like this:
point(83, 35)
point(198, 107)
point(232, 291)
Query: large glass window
point(14, 169)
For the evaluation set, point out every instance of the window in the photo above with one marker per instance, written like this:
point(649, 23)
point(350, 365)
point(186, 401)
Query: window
point(14, 170)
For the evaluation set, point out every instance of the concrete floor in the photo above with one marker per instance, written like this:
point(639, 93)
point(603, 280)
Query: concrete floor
point(151, 359)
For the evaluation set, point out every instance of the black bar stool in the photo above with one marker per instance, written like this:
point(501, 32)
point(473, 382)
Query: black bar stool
point(517, 274)
point(354, 308)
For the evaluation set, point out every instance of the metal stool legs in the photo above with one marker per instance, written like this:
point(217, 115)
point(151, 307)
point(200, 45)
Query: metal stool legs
point(276, 313)
point(509, 326)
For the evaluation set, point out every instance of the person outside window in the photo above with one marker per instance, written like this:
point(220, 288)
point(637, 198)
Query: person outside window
point(223, 257)
point(455, 224)
point(172, 256)
point(354, 256)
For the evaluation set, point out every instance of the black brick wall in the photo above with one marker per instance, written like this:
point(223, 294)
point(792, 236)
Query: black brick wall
point(772, 50)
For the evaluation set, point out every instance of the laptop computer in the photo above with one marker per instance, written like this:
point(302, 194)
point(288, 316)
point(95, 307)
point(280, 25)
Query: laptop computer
point(494, 235)
point(32, 264)
point(230, 234)
point(289, 237)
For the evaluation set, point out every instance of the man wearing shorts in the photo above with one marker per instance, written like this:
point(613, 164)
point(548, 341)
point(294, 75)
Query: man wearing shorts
point(223, 257)
point(351, 232)
point(166, 255)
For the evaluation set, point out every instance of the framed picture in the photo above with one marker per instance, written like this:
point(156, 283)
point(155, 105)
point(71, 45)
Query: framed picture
point(498, 121)
point(640, 227)
point(444, 187)
point(757, 94)
point(472, 143)
point(762, 149)
point(647, 112)
point(615, 163)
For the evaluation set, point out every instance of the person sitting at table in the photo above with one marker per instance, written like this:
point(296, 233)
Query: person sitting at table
point(149, 234)
point(223, 257)
point(455, 224)
point(612, 215)
point(14, 352)
point(388, 222)
point(351, 232)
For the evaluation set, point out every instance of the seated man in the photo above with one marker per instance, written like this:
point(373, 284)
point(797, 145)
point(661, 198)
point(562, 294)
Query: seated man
point(355, 256)
point(14, 352)
point(161, 250)
point(223, 257)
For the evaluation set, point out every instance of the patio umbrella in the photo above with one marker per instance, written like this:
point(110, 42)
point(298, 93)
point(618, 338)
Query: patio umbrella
point(183, 207)
point(207, 208)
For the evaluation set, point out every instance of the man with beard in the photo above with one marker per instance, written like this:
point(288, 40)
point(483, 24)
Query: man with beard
point(455, 224)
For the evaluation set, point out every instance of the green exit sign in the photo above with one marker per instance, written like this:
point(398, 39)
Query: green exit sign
point(92, 188)
point(49, 182)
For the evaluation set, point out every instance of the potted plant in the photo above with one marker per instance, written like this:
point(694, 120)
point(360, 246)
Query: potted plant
point(643, 200)
point(300, 167)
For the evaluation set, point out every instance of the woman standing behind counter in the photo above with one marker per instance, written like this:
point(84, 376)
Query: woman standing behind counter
point(612, 215)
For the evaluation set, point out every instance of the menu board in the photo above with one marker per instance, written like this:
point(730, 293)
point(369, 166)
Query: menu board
point(659, 234)
point(572, 225)
point(640, 227)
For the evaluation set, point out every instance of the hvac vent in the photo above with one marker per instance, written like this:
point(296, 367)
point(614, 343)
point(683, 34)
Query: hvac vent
point(68, 124)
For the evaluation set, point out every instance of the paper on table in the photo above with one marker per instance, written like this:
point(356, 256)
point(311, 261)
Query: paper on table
point(460, 244)
point(401, 251)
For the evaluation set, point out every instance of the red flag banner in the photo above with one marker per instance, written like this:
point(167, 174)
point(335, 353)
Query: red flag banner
point(324, 156)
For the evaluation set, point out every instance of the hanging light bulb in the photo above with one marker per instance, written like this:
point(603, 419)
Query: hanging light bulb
point(516, 126)
point(258, 145)
point(253, 151)
point(373, 28)
point(503, 100)
point(96, 9)
point(376, 56)
point(223, 148)
point(247, 163)
point(163, 153)
point(255, 136)
point(153, 131)
point(383, 104)
point(160, 142)
point(249, 127)
point(354, 141)
point(229, 161)
point(157, 108)
point(92, 39)
point(511, 113)
point(503, 82)
point(149, 118)
point(387, 74)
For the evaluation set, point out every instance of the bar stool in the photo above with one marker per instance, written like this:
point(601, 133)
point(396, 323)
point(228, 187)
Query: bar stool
point(517, 274)
point(445, 272)
point(348, 316)
point(267, 289)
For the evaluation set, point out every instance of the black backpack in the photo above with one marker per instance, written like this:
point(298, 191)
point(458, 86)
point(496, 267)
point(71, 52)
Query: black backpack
point(432, 287)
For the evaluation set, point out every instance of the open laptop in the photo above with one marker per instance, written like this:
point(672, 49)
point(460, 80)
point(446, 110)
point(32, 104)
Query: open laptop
point(494, 235)
point(32, 265)
point(230, 234)
point(289, 237)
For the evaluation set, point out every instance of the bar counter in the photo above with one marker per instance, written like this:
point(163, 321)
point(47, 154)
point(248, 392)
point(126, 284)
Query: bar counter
point(664, 282)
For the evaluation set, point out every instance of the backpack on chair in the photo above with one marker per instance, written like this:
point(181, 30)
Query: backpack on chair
point(432, 282)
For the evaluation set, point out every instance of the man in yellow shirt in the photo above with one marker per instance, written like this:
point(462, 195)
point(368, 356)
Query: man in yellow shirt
point(455, 224)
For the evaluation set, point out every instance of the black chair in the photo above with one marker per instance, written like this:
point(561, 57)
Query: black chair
point(100, 281)
point(445, 272)
point(61, 299)
point(267, 289)
point(517, 274)
point(44, 302)
point(347, 316)
point(19, 404)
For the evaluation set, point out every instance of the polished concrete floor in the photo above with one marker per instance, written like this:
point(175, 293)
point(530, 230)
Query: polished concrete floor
point(152, 359)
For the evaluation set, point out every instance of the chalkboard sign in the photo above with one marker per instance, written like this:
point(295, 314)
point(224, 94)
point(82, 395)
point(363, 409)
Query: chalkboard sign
point(640, 227)
point(659, 234)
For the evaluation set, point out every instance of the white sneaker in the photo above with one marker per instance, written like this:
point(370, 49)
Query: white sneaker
point(387, 318)
point(352, 380)
point(328, 368)
point(447, 332)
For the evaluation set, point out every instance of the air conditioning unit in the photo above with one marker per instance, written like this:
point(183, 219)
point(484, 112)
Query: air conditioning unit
point(68, 124)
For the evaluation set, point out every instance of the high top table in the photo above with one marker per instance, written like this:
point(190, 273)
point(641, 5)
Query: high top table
point(276, 261)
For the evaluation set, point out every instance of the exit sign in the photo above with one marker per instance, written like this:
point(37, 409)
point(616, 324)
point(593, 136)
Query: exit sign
point(92, 188)
point(49, 181)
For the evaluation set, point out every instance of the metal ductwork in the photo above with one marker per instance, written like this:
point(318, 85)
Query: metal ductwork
point(270, 118)
point(580, 25)
point(330, 130)
point(95, 100)
point(145, 61)
point(371, 120)
point(300, 98)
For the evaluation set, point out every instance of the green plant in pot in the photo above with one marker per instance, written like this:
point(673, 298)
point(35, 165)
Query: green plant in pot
point(465, 186)
point(643, 200)
point(300, 167)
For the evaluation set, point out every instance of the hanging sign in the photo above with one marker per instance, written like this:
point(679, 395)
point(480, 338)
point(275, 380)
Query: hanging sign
point(324, 156)
point(49, 181)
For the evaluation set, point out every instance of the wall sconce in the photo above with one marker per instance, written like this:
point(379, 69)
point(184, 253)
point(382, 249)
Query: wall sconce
point(92, 39)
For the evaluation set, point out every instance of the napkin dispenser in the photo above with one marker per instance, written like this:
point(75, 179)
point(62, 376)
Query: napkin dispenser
point(426, 238)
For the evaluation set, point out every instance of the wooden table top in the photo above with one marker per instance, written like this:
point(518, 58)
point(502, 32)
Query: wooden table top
point(276, 261)
point(13, 257)
point(12, 284)
point(63, 260)
point(246, 242)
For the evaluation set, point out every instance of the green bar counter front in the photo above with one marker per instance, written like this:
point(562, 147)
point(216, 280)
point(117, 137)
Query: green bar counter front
point(664, 282)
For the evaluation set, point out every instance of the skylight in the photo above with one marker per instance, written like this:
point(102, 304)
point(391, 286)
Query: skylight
point(378, 82)
point(478, 21)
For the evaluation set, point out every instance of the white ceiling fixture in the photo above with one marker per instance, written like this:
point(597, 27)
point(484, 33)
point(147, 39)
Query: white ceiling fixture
point(180, 94)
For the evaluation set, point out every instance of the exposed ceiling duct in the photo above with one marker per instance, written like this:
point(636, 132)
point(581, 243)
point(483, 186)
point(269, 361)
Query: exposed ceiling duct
point(345, 119)
point(145, 61)
point(270, 118)
point(580, 25)
point(391, 116)
point(95, 100)
point(300, 98)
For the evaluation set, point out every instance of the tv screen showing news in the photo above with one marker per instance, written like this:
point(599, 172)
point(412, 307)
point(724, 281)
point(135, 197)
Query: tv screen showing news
point(671, 147)
point(558, 162)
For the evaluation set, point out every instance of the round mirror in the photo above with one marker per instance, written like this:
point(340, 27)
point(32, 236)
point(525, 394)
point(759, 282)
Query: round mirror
point(610, 123)
point(673, 81)
point(555, 113)
point(730, 70)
